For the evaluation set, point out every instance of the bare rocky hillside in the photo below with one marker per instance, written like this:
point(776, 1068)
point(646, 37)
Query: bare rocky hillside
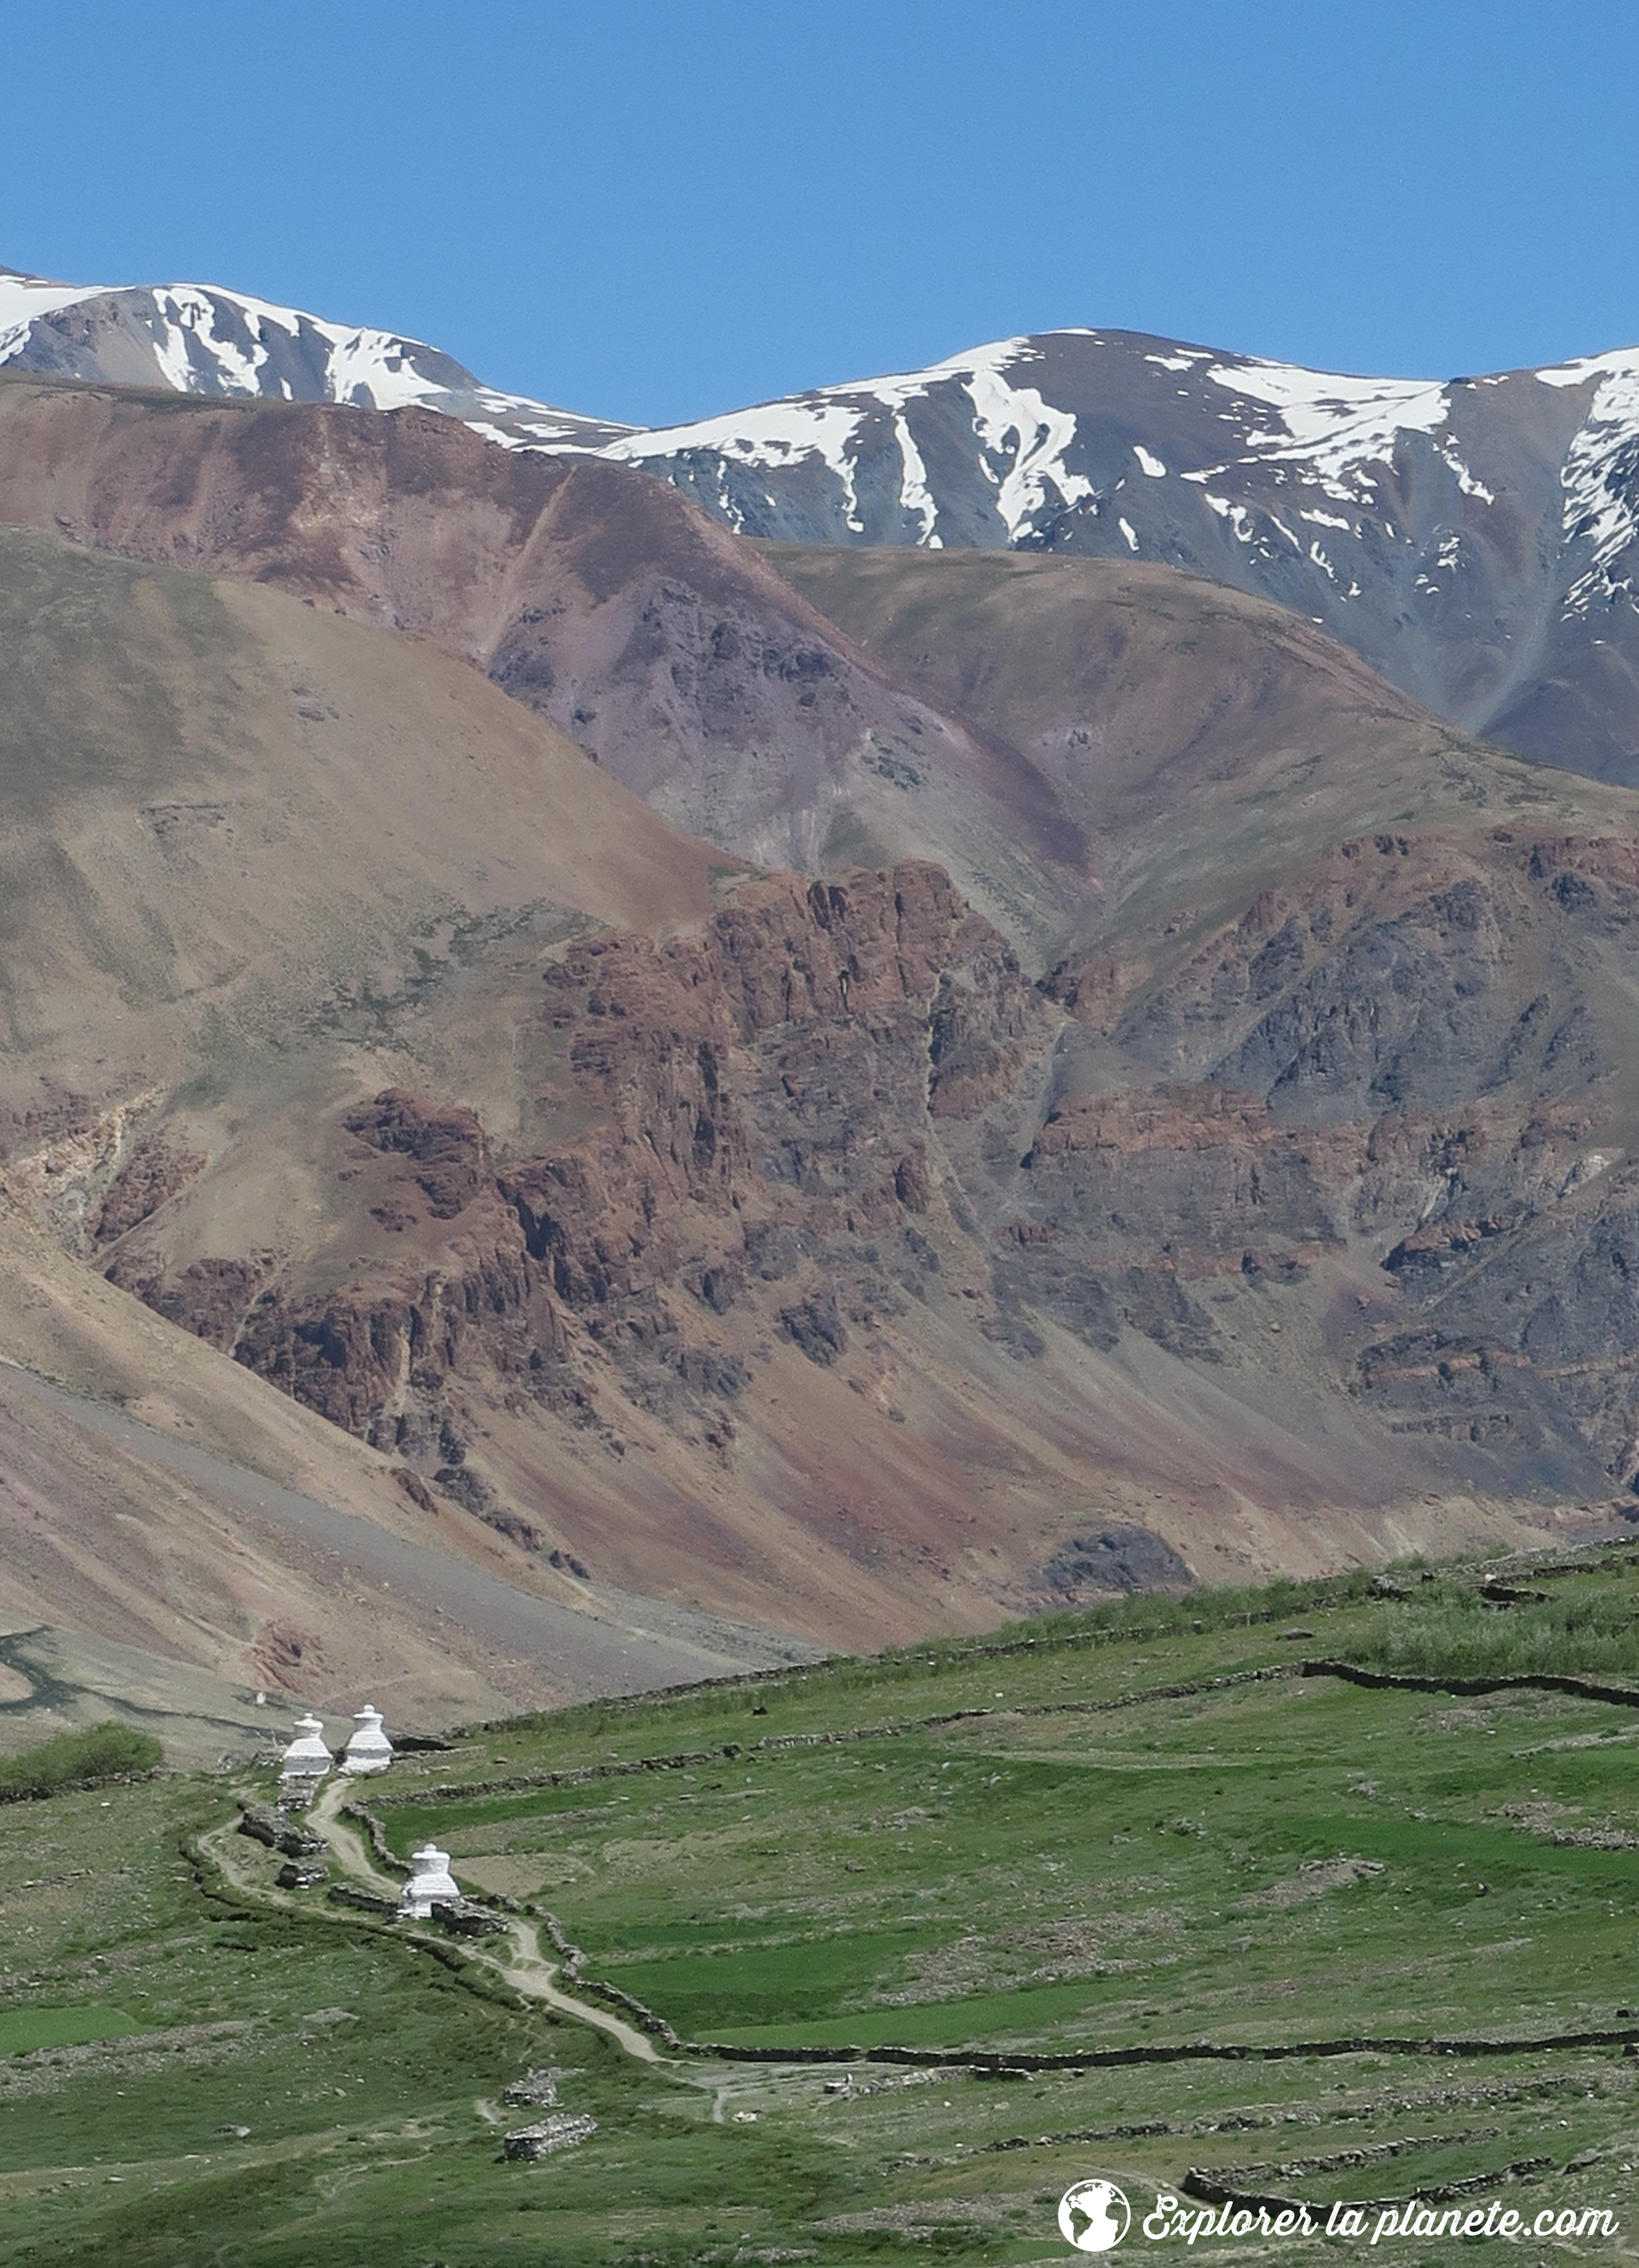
point(1214, 1157)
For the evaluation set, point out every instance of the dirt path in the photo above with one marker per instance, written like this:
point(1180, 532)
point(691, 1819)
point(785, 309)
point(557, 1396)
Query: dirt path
point(531, 1972)
point(220, 1845)
point(347, 1845)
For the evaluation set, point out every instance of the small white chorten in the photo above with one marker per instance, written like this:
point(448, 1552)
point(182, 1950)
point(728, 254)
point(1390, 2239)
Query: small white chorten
point(368, 1749)
point(431, 1881)
point(306, 1758)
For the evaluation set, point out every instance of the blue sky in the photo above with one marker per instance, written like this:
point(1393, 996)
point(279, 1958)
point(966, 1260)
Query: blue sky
point(654, 211)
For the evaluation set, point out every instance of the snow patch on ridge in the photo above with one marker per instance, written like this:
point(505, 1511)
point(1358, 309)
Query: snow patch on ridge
point(533, 425)
point(373, 369)
point(1600, 475)
point(1465, 480)
point(778, 434)
point(24, 300)
point(1042, 435)
point(1335, 426)
point(914, 493)
point(187, 317)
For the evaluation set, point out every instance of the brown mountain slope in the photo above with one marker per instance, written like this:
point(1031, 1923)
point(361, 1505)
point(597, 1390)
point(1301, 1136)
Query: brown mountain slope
point(227, 822)
point(851, 1272)
point(591, 593)
point(1173, 716)
point(248, 897)
point(1131, 687)
point(682, 1194)
point(790, 1251)
point(237, 838)
point(175, 1536)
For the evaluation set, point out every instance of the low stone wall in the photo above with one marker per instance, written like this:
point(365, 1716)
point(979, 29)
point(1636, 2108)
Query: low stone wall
point(375, 1833)
point(279, 1831)
point(1220, 2189)
point(347, 1894)
point(561, 2131)
point(1019, 2065)
point(776, 1744)
point(1581, 1688)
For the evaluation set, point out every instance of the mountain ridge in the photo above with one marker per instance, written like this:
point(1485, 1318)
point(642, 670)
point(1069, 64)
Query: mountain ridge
point(1475, 540)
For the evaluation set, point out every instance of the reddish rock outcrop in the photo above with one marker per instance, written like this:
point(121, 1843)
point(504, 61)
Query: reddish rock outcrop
point(761, 1095)
point(447, 1146)
point(157, 1174)
point(1366, 1105)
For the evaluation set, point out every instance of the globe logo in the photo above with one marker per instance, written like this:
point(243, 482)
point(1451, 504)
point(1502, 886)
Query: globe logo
point(1094, 2216)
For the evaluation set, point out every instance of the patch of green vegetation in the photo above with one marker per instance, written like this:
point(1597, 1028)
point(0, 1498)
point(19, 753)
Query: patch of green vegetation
point(100, 1753)
point(849, 842)
point(1137, 1829)
point(23, 2029)
point(1451, 1629)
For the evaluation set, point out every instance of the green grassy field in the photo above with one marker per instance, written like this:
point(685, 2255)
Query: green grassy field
point(1075, 1839)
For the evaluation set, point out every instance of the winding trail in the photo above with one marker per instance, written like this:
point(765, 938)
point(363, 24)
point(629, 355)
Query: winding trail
point(535, 1974)
point(347, 1845)
point(531, 1972)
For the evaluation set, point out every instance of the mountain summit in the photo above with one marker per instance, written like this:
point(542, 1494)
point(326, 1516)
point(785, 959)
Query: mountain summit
point(196, 338)
point(1475, 540)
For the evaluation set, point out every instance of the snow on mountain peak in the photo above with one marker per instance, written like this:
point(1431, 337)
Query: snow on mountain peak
point(1105, 442)
point(1601, 472)
point(203, 339)
point(1023, 437)
point(1338, 432)
point(374, 369)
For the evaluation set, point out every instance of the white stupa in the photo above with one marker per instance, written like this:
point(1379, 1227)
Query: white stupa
point(369, 1748)
point(431, 1881)
point(306, 1758)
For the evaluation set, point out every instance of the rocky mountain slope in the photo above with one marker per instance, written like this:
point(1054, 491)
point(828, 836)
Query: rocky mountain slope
point(176, 1537)
point(1227, 1168)
point(236, 836)
point(1472, 539)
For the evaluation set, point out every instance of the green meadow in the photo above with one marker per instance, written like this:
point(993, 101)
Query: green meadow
point(1389, 1926)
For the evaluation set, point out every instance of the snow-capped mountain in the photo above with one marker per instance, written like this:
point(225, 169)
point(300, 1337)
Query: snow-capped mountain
point(1475, 538)
point(1078, 442)
point(198, 339)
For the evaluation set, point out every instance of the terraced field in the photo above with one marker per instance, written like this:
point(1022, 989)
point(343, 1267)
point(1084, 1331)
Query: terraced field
point(1153, 1894)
